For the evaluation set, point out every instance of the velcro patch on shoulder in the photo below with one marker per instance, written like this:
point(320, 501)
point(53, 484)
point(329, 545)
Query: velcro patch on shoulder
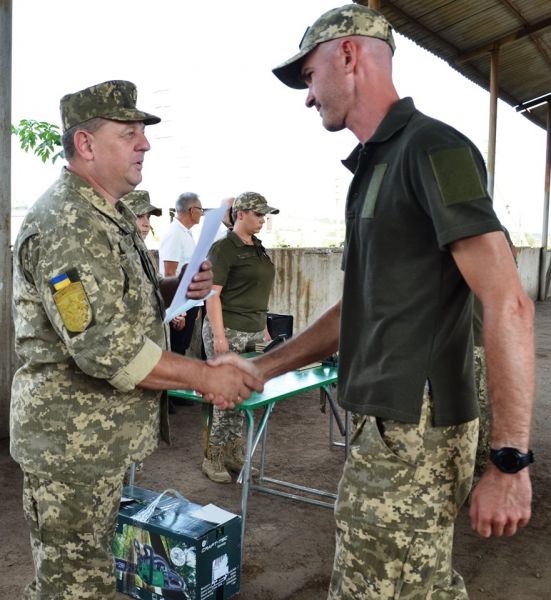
point(457, 175)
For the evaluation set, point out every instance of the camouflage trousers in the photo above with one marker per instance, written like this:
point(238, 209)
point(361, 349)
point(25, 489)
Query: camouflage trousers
point(72, 527)
point(483, 448)
point(227, 425)
point(401, 490)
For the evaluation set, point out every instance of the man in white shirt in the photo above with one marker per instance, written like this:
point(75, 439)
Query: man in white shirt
point(175, 251)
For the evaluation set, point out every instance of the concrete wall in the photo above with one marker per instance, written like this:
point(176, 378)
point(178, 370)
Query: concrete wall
point(307, 282)
point(528, 267)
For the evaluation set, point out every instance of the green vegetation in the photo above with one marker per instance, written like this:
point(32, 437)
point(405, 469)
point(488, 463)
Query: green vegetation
point(43, 138)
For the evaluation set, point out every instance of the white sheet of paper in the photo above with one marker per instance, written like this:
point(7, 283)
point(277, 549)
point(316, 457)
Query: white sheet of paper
point(213, 514)
point(181, 303)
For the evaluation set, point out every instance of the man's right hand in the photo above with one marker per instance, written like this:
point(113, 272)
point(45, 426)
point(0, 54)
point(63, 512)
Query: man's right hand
point(501, 502)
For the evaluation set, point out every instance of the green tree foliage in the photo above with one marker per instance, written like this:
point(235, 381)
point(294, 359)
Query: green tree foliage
point(43, 138)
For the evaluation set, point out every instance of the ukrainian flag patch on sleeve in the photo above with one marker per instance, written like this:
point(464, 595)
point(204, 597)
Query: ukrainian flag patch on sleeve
point(71, 301)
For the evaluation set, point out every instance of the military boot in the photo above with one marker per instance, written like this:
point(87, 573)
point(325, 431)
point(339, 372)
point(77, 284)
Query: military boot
point(213, 465)
point(234, 456)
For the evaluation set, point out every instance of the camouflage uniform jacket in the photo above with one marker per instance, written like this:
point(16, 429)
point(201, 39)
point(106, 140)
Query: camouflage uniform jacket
point(88, 325)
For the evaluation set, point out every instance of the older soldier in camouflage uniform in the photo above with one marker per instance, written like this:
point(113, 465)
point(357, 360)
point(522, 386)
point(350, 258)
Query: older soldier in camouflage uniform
point(421, 231)
point(84, 403)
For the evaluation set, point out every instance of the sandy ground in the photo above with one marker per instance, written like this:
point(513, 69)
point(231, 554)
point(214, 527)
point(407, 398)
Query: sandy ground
point(289, 545)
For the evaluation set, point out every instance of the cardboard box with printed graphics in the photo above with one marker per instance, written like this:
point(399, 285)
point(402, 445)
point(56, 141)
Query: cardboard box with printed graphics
point(168, 548)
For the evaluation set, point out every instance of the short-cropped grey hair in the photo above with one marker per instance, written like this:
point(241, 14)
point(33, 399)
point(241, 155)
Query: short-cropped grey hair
point(186, 201)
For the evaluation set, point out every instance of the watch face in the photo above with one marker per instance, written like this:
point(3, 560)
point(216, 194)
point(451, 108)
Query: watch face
point(511, 460)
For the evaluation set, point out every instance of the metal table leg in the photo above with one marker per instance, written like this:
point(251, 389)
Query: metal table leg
point(245, 476)
point(132, 475)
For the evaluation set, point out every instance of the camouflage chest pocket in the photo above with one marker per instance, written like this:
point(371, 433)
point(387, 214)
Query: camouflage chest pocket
point(130, 264)
point(373, 189)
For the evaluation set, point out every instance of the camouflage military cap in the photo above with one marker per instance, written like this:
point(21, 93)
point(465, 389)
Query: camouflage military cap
point(252, 201)
point(140, 204)
point(115, 100)
point(350, 19)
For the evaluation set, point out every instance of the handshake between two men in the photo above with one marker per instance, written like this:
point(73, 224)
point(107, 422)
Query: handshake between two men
point(221, 382)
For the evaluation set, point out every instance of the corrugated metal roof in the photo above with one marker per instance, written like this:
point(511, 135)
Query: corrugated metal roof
point(463, 33)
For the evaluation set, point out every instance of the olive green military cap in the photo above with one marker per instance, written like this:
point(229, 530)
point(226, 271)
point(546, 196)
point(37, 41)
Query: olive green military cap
point(252, 201)
point(350, 19)
point(140, 204)
point(115, 100)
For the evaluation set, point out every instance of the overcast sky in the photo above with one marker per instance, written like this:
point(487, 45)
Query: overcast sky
point(228, 124)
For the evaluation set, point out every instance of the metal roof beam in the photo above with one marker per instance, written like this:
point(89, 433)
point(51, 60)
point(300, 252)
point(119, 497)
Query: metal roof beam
point(535, 39)
point(532, 103)
point(526, 31)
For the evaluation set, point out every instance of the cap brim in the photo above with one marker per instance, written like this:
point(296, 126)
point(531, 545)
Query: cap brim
point(150, 119)
point(132, 115)
point(270, 210)
point(156, 211)
point(290, 72)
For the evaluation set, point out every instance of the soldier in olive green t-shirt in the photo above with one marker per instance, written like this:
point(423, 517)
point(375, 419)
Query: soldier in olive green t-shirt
point(236, 319)
point(421, 233)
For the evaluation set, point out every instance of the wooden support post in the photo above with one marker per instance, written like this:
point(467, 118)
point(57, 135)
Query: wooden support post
point(492, 132)
point(6, 326)
point(544, 274)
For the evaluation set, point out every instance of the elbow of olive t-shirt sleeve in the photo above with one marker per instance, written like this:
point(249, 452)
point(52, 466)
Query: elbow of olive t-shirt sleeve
point(128, 377)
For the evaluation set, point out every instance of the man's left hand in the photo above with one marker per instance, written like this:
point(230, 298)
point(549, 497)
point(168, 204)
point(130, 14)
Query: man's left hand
point(501, 502)
point(201, 283)
point(249, 365)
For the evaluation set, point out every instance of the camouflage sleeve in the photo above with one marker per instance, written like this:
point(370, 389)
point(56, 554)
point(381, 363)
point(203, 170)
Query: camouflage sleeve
point(99, 302)
point(139, 367)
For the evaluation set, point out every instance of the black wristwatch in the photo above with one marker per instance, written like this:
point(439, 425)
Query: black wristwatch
point(511, 460)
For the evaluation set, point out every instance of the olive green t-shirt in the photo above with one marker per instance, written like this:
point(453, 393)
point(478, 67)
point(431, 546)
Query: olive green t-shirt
point(246, 275)
point(418, 186)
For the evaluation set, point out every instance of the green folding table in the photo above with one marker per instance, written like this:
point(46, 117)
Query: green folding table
point(278, 389)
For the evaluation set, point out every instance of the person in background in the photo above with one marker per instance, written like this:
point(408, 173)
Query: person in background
point(86, 401)
point(421, 238)
point(175, 250)
point(140, 204)
point(243, 275)
point(196, 346)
